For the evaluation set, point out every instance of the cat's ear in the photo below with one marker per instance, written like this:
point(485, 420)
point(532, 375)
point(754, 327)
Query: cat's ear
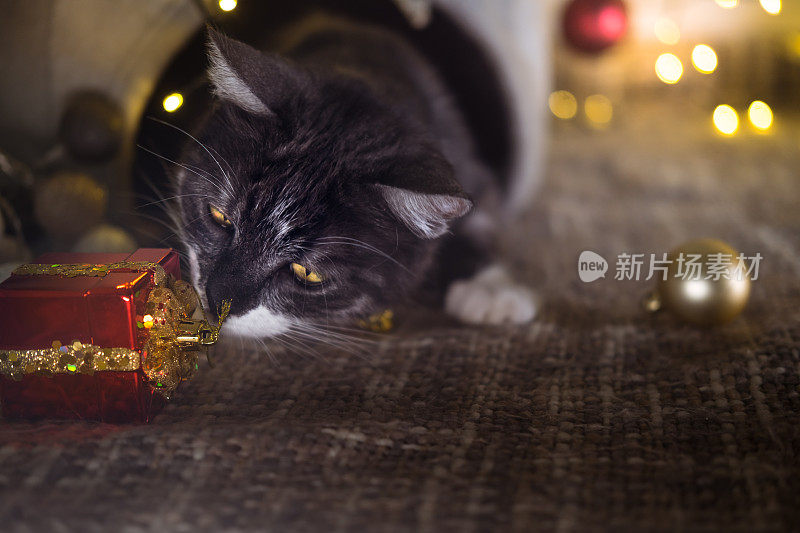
point(424, 194)
point(254, 81)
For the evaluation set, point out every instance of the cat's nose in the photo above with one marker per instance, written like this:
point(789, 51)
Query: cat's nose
point(217, 293)
point(228, 282)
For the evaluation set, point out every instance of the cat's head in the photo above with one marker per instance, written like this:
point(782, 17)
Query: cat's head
point(305, 197)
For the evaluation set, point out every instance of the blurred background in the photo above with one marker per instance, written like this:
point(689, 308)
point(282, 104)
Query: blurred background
point(90, 88)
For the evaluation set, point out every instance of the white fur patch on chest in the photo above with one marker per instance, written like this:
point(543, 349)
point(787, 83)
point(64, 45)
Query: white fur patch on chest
point(259, 322)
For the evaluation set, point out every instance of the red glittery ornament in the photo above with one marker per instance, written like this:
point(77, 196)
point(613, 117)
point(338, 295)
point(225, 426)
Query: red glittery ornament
point(36, 310)
point(591, 26)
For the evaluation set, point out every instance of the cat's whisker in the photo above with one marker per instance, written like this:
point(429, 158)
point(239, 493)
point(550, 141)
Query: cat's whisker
point(162, 203)
point(356, 332)
point(155, 238)
point(329, 330)
point(206, 178)
point(160, 198)
point(266, 348)
point(304, 347)
point(347, 241)
point(228, 182)
point(200, 170)
point(174, 228)
point(174, 225)
point(180, 231)
point(155, 190)
point(223, 159)
point(352, 346)
point(294, 341)
point(172, 198)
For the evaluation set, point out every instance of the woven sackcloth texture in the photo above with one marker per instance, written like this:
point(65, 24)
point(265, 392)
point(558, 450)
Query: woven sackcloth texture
point(597, 417)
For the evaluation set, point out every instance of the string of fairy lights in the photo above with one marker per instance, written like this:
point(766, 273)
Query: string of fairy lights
point(173, 101)
point(670, 70)
point(599, 110)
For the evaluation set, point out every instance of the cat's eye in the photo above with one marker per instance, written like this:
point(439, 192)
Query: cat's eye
point(219, 217)
point(304, 274)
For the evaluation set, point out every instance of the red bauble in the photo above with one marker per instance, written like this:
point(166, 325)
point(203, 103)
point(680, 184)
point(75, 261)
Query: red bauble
point(591, 26)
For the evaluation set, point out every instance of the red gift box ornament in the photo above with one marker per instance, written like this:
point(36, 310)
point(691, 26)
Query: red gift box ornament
point(98, 336)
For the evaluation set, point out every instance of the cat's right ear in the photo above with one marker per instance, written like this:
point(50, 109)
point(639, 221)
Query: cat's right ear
point(257, 82)
point(421, 190)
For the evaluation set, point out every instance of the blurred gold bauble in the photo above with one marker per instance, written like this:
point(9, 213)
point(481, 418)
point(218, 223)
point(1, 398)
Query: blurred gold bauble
point(68, 204)
point(105, 238)
point(12, 249)
point(701, 301)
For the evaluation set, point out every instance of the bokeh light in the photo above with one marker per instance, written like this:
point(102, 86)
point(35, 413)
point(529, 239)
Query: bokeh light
point(612, 23)
point(667, 31)
point(726, 120)
point(227, 5)
point(172, 102)
point(760, 115)
point(563, 104)
point(727, 4)
point(599, 110)
point(793, 45)
point(704, 58)
point(669, 68)
point(773, 7)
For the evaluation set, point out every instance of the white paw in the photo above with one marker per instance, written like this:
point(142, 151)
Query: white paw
point(490, 297)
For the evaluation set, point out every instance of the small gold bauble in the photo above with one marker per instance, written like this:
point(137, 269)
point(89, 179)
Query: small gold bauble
point(711, 294)
point(68, 204)
point(105, 238)
point(11, 249)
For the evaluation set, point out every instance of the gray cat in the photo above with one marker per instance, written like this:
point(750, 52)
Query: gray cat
point(324, 181)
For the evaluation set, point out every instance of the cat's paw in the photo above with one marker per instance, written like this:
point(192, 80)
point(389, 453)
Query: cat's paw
point(491, 297)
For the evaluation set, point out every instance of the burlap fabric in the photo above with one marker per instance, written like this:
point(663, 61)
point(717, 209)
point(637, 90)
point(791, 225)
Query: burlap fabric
point(594, 418)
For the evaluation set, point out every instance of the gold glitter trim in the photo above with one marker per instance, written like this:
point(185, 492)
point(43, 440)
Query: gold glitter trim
point(380, 322)
point(165, 361)
point(72, 270)
point(73, 358)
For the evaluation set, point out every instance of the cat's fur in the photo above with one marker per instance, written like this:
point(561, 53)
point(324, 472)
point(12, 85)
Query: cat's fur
point(344, 154)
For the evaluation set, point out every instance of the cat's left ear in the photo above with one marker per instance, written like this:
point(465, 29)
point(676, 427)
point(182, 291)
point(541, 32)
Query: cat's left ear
point(424, 194)
point(255, 81)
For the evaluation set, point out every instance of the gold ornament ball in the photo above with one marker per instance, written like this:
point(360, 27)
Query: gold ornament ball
point(68, 204)
point(105, 238)
point(701, 301)
point(12, 250)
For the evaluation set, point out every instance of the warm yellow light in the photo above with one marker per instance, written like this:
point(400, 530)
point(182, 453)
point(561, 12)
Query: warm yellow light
point(599, 110)
point(727, 4)
point(704, 58)
point(173, 102)
point(726, 120)
point(667, 31)
point(773, 7)
point(563, 104)
point(793, 45)
point(669, 68)
point(760, 115)
point(227, 5)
